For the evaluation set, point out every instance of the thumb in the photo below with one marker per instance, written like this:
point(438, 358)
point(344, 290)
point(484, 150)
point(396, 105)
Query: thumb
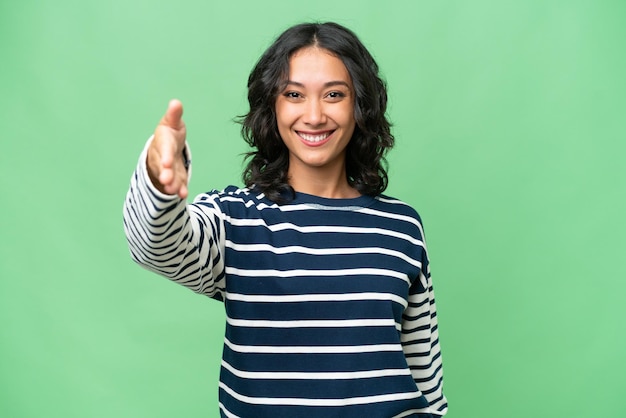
point(173, 115)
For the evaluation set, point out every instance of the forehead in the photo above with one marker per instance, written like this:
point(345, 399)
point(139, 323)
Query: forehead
point(313, 64)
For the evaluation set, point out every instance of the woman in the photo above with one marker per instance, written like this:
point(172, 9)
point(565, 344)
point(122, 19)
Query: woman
point(325, 281)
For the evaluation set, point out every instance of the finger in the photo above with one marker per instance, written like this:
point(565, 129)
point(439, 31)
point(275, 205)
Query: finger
point(166, 145)
point(154, 162)
point(180, 180)
point(183, 191)
point(166, 177)
point(174, 182)
point(173, 117)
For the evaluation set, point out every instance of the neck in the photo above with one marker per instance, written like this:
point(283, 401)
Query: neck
point(331, 184)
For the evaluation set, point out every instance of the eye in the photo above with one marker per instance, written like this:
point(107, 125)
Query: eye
point(335, 95)
point(294, 95)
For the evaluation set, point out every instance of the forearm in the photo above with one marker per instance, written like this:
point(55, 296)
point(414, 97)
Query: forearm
point(155, 224)
point(169, 237)
point(420, 340)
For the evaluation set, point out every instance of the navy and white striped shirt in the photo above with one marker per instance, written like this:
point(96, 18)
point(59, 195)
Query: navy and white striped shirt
point(329, 302)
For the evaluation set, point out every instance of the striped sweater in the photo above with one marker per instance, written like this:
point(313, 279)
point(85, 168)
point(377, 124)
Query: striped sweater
point(329, 302)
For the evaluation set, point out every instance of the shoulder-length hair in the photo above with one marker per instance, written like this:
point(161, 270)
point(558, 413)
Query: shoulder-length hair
point(268, 163)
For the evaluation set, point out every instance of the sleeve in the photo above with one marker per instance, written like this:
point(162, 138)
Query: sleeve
point(420, 340)
point(184, 243)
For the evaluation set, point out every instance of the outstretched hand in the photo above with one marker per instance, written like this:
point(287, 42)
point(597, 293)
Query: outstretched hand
point(166, 165)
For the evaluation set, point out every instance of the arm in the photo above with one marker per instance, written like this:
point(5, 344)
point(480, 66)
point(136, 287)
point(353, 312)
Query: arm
point(182, 242)
point(420, 341)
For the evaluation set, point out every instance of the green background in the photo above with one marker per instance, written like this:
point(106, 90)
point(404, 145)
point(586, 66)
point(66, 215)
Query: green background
point(509, 118)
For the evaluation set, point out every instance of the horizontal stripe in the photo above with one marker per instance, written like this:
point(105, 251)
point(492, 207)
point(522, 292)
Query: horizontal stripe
point(356, 251)
point(360, 400)
point(391, 201)
point(320, 273)
point(286, 226)
point(344, 323)
point(396, 216)
point(316, 375)
point(285, 349)
point(367, 211)
point(326, 297)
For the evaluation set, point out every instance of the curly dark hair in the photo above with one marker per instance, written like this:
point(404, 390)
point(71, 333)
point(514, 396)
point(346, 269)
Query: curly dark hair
point(268, 163)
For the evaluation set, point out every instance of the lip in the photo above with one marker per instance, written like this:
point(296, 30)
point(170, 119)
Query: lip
point(315, 143)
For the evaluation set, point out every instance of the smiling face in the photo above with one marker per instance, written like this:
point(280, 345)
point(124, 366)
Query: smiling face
point(315, 115)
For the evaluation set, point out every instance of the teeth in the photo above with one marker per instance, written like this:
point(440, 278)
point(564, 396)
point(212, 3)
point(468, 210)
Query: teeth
point(314, 138)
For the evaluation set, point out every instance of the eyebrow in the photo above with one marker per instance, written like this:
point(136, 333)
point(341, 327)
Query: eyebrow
point(326, 85)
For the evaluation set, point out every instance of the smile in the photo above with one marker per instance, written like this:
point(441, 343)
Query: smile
point(315, 139)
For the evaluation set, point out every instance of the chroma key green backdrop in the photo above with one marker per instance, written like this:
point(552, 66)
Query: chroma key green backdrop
point(510, 126)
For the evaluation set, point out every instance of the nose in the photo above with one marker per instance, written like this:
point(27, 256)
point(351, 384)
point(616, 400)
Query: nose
point(314, 114)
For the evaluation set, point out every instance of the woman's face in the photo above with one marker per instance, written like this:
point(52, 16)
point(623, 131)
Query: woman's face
point(315, 113)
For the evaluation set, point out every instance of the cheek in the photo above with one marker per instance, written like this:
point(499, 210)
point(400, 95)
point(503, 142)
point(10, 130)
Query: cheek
point(283, 124)
point(346, 116)
point(284, 117)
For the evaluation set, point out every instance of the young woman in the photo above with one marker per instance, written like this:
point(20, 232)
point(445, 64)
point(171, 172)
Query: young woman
point(330, 310)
